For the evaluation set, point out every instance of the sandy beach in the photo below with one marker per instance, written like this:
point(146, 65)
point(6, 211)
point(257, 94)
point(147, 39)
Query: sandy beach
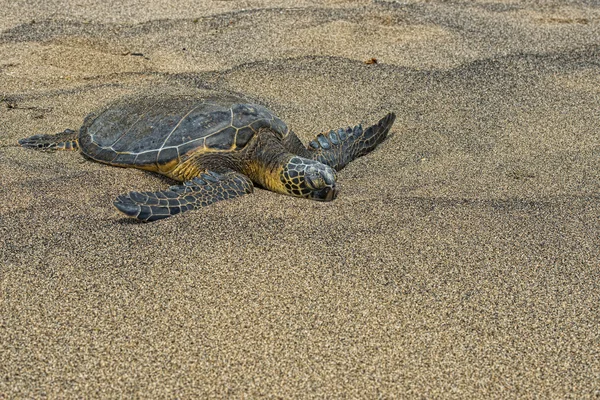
point(461, 258)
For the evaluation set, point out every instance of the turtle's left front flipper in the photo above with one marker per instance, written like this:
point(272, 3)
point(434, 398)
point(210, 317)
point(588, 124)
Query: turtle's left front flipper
point(337, 148)
point(207, 188)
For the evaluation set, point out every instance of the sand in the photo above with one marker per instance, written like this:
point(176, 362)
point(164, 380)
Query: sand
point(460, 260)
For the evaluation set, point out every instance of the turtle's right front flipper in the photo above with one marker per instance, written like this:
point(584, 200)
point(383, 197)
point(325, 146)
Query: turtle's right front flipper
point(66, 140)
point(201, 191)
point(337, 148)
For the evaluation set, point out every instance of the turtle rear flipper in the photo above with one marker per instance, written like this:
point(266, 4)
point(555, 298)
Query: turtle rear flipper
point(337, 148)
point(65, 140)
point(207, 188)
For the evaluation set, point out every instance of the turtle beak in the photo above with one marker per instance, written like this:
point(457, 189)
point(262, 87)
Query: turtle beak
point(331, 194)
point(328, 193)
point(330, 189)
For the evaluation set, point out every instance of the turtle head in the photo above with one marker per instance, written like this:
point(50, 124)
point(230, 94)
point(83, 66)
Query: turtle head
point(310, 179)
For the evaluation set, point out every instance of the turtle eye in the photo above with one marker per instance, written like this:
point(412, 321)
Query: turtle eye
point(315, 181)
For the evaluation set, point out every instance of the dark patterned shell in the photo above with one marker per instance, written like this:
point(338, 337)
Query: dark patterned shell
point(151, 133)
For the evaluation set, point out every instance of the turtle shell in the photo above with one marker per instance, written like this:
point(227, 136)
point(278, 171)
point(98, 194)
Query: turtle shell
point(151, 133)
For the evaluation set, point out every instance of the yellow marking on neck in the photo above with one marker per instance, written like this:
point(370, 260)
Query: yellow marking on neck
point(186, 170)
point(267, 177)
point(168, 167)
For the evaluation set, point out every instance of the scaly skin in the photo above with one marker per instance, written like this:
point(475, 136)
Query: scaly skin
point(201, 191)
point(66, 140)
point(337, 148)
point(271, 165)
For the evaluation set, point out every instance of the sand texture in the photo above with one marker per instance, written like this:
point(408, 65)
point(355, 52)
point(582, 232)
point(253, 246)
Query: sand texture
point(460, 260)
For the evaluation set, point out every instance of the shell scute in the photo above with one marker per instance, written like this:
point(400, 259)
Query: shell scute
point(245, 114)
point(145, 158)
point(107, 154)
point(167, 155)
point(124, 158)
point(191, 146)
point(197, 122)
point(152, 133)
point(222, 140)
point(279, 126)
point(243, 136)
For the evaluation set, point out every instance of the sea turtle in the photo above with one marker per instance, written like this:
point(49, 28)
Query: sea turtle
point(219, 147)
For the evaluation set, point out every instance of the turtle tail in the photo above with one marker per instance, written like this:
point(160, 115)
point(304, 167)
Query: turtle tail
point(338, 147)
point(66, 140)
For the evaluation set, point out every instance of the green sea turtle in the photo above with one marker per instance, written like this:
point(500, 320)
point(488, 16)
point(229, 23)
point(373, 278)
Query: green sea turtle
point(218, 146)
